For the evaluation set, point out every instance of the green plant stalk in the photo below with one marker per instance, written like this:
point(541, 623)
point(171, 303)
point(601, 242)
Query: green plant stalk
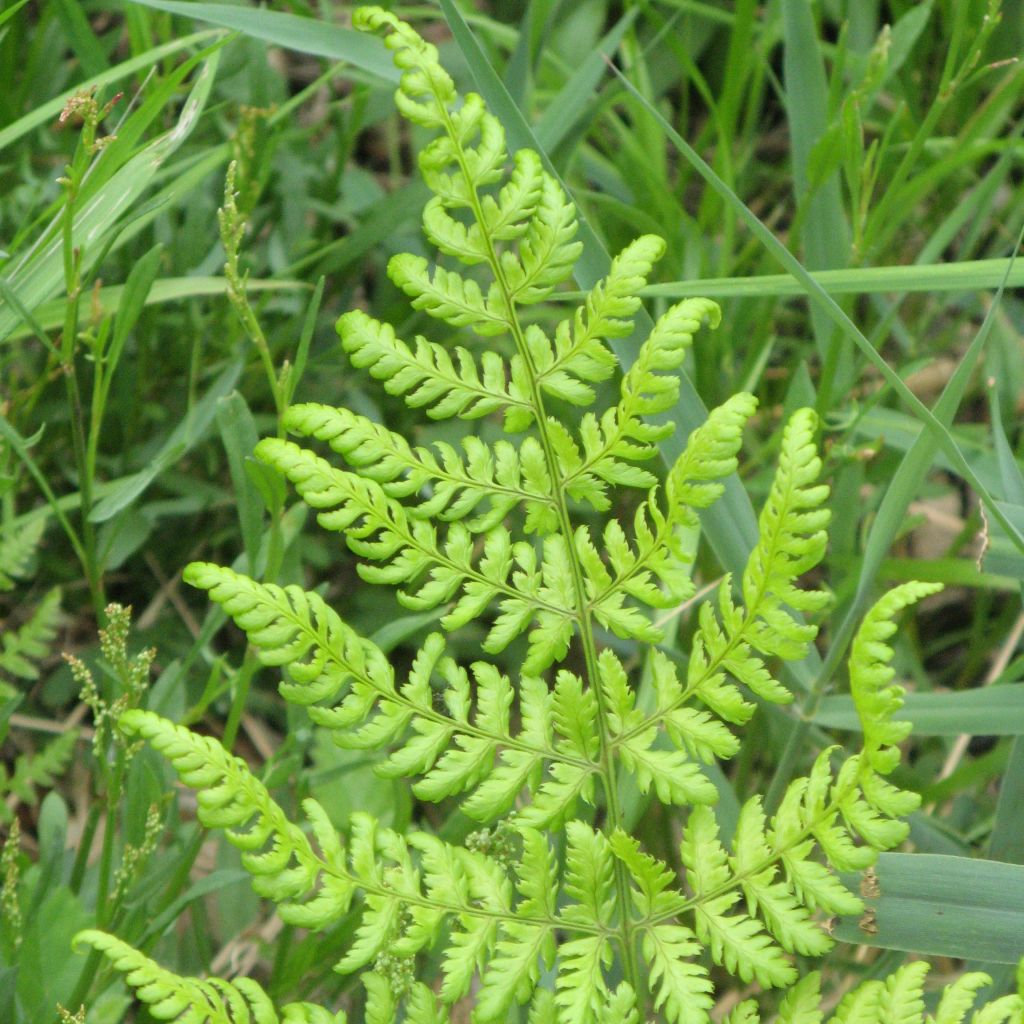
point(239, 695)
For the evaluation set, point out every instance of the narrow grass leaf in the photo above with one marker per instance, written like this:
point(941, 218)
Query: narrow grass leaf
point(968, 276)
point(50, 315)
point(306, 35)
point(81, 37)
point(992, 711)
point(189, 431)
point(41, 273)
point(931, 422)
point(570, 103)
point(239, 434)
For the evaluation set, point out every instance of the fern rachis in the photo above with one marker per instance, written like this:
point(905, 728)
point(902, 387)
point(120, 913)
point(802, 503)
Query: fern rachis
point(544, 906)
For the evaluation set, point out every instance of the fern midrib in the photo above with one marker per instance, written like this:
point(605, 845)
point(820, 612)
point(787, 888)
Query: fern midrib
point(583, 616)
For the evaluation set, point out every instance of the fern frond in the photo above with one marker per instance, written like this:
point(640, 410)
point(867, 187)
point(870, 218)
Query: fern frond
point(454, 749)
point(426, 376)
point(20, 649)
point(655, 568)
point(18, 545)
point(434, 571)
point(556, 903)
point(450, 485)
point(40, 770)
point(195, 1000)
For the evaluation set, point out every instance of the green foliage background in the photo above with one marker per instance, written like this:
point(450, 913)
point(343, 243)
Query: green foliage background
point(134, 389)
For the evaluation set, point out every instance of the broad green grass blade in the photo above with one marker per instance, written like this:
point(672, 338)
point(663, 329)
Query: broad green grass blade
point(40, 273)
point(11, 11)
point(971, 275)
point(953, 572)
point(945, 906)
point(51, 109)
point(306, 35)
point(822, 299)
point(992, 711)
point(50, 315)
point(239, 436)
point(81, 37)
point(825, 232)
point(1007, 839)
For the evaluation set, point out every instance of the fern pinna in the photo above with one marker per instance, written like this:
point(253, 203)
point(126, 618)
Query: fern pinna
point(553, 905)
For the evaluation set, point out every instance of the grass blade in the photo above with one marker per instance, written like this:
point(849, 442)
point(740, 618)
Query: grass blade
point(307, 35)
point(992, 711)
point(50, 315)
point(970, 275)
point(945, 906)
point(40, 273)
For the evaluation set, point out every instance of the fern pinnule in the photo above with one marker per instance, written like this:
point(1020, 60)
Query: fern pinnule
point(18, 545)
point(22, 648)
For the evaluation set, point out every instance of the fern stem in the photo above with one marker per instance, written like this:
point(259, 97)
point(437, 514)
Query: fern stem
point(613, 812)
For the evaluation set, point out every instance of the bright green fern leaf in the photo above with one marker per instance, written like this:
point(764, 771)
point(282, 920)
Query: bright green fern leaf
point(555, 544)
